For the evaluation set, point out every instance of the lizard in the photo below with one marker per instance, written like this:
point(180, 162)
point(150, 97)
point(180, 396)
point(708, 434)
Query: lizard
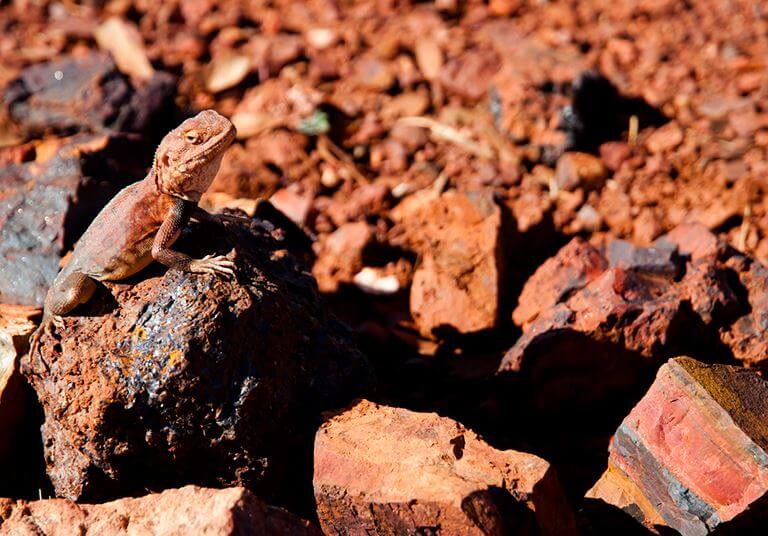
point(142, 222)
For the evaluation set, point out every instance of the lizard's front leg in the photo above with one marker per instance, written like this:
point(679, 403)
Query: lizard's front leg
point(166, 236)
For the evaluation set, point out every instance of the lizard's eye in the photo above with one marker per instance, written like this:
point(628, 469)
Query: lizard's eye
point(192, 136)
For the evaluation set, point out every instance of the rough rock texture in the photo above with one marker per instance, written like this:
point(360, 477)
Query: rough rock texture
point(693, 453)
point(175, 378)
point(47, 201)
point(686, 293)
point(86, 93)
point(386, 470)
point(571, 269)
point(458, 235)
point(174, 512)
point(340, 255)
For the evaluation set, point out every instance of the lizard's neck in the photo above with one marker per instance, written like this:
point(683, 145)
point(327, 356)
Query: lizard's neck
point(153, 177)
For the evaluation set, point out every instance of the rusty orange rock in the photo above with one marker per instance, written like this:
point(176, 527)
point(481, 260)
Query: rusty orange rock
point(386, 470)
point(187, 510)
point(456, 287)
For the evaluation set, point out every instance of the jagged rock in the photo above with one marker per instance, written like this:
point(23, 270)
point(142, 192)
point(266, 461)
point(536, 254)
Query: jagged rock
point(84, 93)
point(187, 510)
point(693, 453)
point(174, 378)
point(46, 203)
point(660, 260)
point(386, 470)
point(456, 288)
point(571, 269)
point(648, 305)
point(340, 255)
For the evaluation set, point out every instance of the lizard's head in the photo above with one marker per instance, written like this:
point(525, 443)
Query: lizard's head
point(189, 156)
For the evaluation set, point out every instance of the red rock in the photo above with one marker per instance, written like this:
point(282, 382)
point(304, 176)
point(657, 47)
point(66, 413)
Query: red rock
point(693, 240)
point(429, 57)
point(575, 265)
point(179, 378)
point(614, 153)
point(503, 8)
point(665, 138)
point(187, 510)
point(386, 470)
point(615, 328)
point(364, 201)
point(294, 204)
point(340, 255)
point(458, 235)
point(373, 74)
point(746, 337)
point(692, 455)
point(579, 170)
point(470, 75)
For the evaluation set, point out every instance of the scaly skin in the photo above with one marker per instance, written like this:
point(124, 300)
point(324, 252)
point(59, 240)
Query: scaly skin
point(141, 223)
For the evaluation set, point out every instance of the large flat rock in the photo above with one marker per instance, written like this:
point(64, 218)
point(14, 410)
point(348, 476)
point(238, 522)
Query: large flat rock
point(387, 470)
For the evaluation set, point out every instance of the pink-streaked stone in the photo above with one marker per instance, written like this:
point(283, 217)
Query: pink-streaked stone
point(692, 453)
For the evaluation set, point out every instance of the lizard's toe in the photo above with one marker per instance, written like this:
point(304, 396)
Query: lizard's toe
point(216, 265)
point(57, 321)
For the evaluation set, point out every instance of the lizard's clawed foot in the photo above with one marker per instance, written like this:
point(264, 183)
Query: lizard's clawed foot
point(58, 323)
point(217, 265)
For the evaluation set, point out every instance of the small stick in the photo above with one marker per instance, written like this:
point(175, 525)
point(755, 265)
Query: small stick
point(634, 127)
point(744, 231)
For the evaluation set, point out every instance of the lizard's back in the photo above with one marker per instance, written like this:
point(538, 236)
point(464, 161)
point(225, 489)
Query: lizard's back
point(118, 242)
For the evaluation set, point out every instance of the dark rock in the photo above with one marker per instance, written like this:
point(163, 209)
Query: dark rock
point(88, 93)
point(177, 378)
point(660, 260)
point(46, 204)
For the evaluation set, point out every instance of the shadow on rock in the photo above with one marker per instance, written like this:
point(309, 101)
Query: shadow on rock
point(196, 379)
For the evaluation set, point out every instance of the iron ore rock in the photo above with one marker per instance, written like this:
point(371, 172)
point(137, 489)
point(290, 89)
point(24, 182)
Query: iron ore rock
point(84, 94)
point(188, 510)
point(692, 455)
point(387, 470)
point(174, 378)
